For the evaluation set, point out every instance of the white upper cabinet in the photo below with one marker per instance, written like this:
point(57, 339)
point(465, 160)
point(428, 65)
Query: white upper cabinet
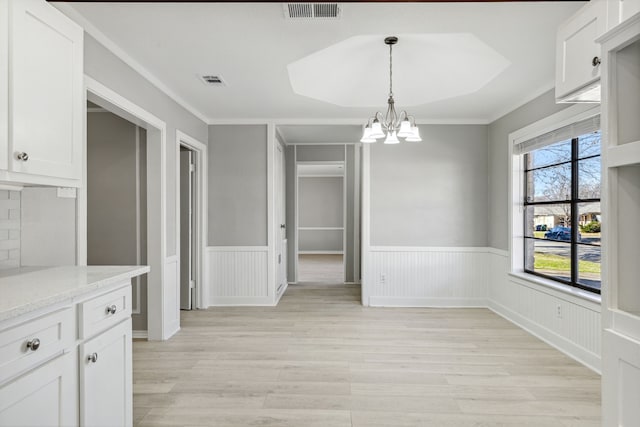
point(45, 96)
point(619, 11)
point(578, 54)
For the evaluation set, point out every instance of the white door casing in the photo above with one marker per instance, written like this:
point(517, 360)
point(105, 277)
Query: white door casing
point(281, 240)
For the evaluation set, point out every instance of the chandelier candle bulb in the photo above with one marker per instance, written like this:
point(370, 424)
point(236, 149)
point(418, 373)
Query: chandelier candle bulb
point(392, 125)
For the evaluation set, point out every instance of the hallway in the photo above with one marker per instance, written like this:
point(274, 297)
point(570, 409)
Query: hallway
point(321, 359)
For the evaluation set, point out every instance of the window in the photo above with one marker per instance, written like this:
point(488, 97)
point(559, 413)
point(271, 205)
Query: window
point(562, 214)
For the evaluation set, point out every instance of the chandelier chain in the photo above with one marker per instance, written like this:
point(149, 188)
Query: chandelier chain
point(390, 70)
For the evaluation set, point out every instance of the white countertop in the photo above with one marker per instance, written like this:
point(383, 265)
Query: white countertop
point(27, 289)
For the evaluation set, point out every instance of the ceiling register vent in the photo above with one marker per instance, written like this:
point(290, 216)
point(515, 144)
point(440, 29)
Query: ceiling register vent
point(322, 11)
point(211, 80)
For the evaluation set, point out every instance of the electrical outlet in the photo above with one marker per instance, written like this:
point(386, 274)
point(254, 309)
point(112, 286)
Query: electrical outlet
point(559, 311)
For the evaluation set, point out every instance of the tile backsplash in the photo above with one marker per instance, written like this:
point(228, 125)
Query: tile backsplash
point(9, 229)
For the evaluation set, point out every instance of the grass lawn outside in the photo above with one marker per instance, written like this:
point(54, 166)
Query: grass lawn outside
point(540, 235)
point(551, 262)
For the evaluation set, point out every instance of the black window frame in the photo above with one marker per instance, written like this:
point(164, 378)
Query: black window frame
point(574, 202)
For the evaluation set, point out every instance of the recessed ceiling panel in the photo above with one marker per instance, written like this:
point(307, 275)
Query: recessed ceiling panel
point(426, 68)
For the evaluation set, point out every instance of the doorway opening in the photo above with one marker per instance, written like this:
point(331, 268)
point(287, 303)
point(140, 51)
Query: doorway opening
point(162, 308)
point(187, 241)
point(117, 199)
point(321, 222)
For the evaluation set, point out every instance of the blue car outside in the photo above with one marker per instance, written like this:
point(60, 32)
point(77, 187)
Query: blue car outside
point(560, 233)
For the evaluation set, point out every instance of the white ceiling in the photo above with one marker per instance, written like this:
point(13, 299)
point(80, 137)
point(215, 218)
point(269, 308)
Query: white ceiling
point(426, 67)
point(251, 45)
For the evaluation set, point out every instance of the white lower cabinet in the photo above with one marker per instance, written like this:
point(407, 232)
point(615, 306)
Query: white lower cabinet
point(46, 396)
point(105, 378)
point(70, 365)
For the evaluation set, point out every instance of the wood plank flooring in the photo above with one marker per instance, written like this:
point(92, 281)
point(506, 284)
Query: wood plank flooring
point(320, 359)
point(320, 268)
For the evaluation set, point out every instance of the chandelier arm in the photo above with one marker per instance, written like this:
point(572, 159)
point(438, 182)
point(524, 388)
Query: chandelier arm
point(393, 119)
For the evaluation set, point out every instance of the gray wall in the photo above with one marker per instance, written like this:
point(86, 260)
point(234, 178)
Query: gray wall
point(432, 193)
point(326, 153)
point(105, 67)
point(114, 164)
point(320, 204)
point(237, 185)
point(321, 201)
point(499, 131)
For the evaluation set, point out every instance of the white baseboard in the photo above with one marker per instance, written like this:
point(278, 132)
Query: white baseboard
point(320, 252)
point(590, 360)
point(143, 335)
point(282, 291)
point(427, 302)
point(240, 301)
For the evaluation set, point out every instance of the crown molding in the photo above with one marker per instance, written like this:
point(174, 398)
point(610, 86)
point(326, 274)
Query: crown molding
point(524, 100)
point(114, 48)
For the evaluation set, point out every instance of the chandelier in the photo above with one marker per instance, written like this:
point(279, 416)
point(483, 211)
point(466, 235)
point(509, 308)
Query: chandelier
point(392, 125)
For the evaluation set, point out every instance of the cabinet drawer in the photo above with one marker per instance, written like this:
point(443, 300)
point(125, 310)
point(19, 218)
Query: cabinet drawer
point(24, 346)
point(104, 311)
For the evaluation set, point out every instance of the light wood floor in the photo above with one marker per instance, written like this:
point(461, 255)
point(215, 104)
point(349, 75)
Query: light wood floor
point(320, 359)
point(314, 268)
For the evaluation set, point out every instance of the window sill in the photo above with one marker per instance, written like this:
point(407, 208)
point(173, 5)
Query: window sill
point(536, 282)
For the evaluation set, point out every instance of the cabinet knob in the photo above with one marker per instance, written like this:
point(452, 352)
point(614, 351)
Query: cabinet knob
point(93, 358)
point(22, 156)
point(111, 309)
point(283, 226)
point(34, 344)
point(595, 61)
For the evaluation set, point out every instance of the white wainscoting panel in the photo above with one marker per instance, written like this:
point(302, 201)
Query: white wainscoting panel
point(569, 323)
point(428, 277)
point(238, 275)
point(171, 293)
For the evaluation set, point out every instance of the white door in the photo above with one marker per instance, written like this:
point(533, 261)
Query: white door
point(281, 240)
point(187, 279)
point(46, 91)
point(106, 378)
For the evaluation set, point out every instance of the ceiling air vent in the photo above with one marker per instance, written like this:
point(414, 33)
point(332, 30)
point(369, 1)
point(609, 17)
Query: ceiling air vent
point(211, 80)
point(322, 11)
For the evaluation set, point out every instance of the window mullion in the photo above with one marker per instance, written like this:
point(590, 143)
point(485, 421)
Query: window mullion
point(574, 211)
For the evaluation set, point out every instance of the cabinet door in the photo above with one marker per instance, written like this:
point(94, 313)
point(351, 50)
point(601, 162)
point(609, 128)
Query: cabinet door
point(45, 92)
point(46, 396)
point(4, 83)
point(620, 380)
point(105, 378)
point(576, 49)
